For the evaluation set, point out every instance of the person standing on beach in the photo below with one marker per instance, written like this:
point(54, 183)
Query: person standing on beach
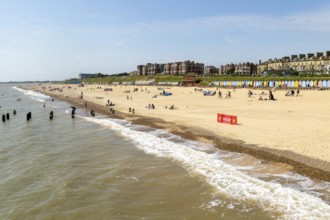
point(271, 96)
point(219, 94)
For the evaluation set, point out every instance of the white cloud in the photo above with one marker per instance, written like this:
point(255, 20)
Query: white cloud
point(316, 20)
point(119, 43)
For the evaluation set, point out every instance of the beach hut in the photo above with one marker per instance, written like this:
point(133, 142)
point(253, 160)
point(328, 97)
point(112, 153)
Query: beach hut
point(315, 84)
point(328, 84)
point(300, 83)
point(296, 84)
point(319, 84)
point(303, 84)
point(324, 84)
point(240, 83)
point(311, 83)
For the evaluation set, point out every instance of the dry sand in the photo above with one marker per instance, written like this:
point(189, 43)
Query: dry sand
point(295, 129)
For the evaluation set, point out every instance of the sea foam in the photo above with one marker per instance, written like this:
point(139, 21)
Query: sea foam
point(34, 95)
point(283, 202)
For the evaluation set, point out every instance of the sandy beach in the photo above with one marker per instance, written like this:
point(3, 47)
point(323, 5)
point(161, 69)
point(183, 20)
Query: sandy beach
point(293, 129)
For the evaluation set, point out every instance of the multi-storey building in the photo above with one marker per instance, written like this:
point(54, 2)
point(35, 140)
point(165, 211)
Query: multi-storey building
point(238, 69)
point(177, 68)
point(149, 69)
point(310, 63)
point(211, 71)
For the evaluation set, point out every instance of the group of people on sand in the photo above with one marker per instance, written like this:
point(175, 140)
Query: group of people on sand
point(110, 103)
point(228, 94)
point(270, 96)
point(151, 106)
point(292, 93)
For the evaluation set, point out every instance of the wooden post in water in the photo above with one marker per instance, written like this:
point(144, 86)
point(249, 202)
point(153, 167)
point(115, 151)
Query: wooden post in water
point(3, 118)
point(51, 115)
point(8, 116)
point(28, 116)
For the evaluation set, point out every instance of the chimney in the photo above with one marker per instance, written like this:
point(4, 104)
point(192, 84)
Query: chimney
point(301, 56)
point(260, 60)
point(293, 56)
point(328, 53)
point(309, 55)
point(319, 54)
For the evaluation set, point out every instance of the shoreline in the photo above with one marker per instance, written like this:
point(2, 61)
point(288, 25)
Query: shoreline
point(304, 165)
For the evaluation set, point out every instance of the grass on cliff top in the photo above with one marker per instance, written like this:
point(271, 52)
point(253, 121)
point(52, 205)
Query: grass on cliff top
point(204, 79)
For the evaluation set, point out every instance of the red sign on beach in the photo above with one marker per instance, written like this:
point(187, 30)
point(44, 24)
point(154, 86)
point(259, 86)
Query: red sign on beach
point(228, 119)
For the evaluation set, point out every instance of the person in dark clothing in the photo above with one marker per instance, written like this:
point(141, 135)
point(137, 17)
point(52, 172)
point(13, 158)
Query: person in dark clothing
point(271, 96)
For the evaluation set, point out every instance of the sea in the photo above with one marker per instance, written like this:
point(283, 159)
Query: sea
point(103, 168)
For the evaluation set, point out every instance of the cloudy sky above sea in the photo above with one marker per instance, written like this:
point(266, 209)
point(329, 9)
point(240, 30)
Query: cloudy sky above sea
point(58, 39)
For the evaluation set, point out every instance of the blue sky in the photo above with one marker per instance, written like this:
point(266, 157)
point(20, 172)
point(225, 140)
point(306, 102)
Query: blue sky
point(56, 40)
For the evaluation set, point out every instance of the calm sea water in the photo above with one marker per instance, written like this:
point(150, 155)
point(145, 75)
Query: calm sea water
point(102, 168)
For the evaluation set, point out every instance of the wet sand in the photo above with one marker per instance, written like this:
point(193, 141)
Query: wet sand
point(293, 131)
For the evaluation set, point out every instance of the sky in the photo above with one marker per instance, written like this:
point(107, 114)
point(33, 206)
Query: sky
point(58, 39)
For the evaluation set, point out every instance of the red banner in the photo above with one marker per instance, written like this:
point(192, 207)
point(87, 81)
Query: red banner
point(228, 119)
